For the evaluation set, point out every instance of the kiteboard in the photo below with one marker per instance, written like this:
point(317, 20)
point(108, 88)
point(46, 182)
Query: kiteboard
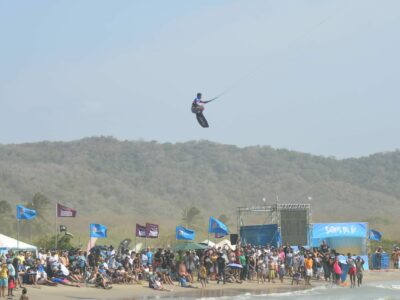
point(202, 120)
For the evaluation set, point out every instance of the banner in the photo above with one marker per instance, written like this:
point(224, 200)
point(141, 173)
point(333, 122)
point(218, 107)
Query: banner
point(329, 230)
point(98, 231)
point(375, 235)
point(182, 233)
point(24, 213)
point(152, 231)
point(217, 227)
point(65, 212)
point(140, 230)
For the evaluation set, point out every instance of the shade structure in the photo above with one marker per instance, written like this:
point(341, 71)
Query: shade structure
point(189, 246)
point(8, 243)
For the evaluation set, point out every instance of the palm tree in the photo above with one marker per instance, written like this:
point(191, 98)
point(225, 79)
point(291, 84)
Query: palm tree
point(6, 216)
point(190, 216)
point(41, 204)
point(41, 223)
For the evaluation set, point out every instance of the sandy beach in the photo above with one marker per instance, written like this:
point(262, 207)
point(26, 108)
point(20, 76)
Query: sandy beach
point(138, 292)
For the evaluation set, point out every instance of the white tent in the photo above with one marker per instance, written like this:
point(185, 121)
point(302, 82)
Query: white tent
point(208, 243)
point(8, 243)
point(224, 243)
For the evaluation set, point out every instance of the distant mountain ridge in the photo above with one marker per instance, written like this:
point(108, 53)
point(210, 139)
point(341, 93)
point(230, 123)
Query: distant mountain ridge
point(148, 178)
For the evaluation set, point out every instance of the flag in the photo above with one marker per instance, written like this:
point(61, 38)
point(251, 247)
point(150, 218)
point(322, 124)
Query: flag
point(63, 211)
point(98, 230)
point(375, 235)
point(140, 230)
point(217, 227)
point(152, 230)
point(24, 213)
point(183, 233)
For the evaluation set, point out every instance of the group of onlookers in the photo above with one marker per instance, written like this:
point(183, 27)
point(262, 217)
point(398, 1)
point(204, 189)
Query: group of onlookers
point(160, 267)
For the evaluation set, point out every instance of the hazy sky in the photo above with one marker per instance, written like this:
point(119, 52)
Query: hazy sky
point(318, 76)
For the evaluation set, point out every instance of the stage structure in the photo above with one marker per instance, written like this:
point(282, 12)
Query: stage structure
point(292, 220)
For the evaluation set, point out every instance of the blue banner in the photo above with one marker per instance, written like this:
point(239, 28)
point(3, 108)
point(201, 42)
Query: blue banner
point(216, 226)
point(375, 235)
point(329, 230)
point(183, 233)
point(24, 213)
point(98, 231)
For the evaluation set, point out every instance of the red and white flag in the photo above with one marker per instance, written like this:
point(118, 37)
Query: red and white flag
point(65, 212)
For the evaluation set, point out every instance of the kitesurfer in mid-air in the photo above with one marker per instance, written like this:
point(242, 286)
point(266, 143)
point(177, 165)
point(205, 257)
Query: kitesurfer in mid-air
point(197, 104)
point(197, 108)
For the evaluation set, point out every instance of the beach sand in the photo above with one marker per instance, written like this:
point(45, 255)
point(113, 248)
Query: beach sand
point(141, 292)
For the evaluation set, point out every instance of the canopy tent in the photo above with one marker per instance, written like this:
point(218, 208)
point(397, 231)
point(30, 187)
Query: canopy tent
point(343, 237)
point(189, 247)
point(8, 243)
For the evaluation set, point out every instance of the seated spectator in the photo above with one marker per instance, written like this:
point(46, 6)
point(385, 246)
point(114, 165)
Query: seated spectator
point(102, 281)
point(155, 282)
point(183, 273)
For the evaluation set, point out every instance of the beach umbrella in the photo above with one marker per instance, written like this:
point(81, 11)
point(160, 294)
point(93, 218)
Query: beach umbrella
point(235, 266)
point(189, 247)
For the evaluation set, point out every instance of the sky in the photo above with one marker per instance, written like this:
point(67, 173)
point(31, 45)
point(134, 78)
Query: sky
point(316, 76)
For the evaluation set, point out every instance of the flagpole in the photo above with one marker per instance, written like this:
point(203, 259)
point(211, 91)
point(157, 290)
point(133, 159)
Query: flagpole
point(18, 221)
point(135, 240)
point(90, 239)
point(56, 240)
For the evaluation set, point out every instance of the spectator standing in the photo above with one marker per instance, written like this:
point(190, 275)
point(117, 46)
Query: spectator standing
point(378, 255)
point(308, 263)
point(221, 264)
point(359, 269)
point(352, 270)
point(11, 278)
point(3, 278)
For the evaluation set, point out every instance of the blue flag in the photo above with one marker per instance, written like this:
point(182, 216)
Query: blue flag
point(98, 231)
point(217, 227)
point(183, 233)
point(375, 235)
point(24, 213)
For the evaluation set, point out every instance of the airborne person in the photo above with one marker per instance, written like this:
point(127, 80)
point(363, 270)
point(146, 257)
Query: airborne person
point(198, 108)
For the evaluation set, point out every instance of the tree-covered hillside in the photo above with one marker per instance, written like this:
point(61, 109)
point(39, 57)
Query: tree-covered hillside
point(114, 180)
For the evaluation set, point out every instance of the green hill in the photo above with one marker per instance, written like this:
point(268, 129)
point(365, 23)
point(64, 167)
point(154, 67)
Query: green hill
point(122, 182)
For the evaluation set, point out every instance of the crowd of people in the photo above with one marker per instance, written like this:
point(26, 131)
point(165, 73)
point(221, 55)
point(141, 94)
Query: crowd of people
point(163, 268)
